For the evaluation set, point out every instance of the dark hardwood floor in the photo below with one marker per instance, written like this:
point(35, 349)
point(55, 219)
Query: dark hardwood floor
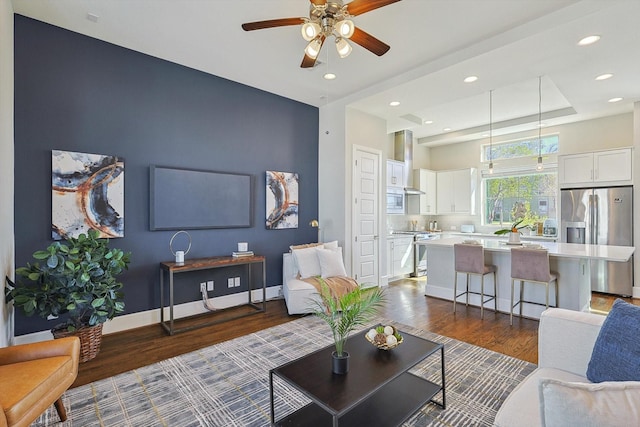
point(406, 303)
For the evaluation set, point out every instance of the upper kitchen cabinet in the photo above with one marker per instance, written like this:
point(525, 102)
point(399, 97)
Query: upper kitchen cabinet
point(601, 167)
point(456, 191)
point(423, 204)
point(395, 174)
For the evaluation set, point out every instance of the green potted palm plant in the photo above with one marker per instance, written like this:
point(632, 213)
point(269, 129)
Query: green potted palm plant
point(345, 313)
point(76, 279)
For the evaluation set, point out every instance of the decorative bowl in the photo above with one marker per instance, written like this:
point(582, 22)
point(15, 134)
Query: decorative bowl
point(386, 346)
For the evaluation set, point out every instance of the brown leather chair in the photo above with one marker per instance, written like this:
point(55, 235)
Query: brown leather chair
point(33, 376)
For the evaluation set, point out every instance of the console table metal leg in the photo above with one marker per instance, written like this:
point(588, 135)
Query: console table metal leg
point(170, 303)
point(162, 297)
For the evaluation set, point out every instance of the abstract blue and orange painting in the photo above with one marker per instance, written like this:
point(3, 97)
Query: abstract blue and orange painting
point(282, 200)
point(87, 192)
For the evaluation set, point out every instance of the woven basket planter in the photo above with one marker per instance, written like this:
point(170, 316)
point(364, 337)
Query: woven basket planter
point(90, 340)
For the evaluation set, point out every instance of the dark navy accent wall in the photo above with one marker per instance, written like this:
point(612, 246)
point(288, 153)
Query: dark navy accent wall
point(77, 93)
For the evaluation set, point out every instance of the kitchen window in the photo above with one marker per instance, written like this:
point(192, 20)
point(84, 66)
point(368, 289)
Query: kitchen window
point(516, 189)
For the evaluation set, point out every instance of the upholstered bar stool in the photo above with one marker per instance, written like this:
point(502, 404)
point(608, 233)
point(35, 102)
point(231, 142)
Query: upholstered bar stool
point(530, 265)
point(469, 260)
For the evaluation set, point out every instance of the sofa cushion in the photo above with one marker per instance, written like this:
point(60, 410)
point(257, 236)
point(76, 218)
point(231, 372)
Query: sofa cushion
point(522, 406)
point(585, 404)
point(616, 353)
point(331, 263)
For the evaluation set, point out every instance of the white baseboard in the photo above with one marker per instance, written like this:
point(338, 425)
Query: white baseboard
point(151, 317)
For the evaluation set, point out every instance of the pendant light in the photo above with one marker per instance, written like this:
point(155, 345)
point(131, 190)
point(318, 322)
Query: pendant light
point(539, 165)
point(491, 131)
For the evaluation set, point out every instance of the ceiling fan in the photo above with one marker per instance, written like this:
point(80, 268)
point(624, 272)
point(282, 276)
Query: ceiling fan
point(330, 18)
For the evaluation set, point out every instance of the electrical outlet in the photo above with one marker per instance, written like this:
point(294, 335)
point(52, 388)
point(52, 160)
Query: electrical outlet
point(236, 281)
point(203, 286)
point(210, 285)
point(230, 282)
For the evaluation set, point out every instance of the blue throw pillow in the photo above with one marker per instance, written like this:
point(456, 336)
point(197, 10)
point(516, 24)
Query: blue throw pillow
point(616, 353)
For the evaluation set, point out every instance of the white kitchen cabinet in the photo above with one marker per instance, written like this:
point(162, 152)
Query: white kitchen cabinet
point(395, 174)
point(456, 191)
point(425, 180)
point(399, 256)
point(600, 167)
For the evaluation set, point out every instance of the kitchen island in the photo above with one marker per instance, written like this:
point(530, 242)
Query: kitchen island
point(569, 260)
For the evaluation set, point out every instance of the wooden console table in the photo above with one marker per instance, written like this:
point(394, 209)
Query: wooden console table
point(171, 268)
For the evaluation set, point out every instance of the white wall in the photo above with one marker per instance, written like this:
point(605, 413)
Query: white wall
point(6, 165)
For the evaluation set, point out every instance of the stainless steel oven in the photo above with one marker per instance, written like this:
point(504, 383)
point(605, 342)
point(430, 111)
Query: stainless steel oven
point(395, 201)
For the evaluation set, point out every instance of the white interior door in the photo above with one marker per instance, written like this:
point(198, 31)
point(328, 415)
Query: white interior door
point(366, 211)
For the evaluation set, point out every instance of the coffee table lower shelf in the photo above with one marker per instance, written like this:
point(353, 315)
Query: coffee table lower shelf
point(391, 405)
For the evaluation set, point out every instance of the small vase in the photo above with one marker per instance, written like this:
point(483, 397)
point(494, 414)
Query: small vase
point(514, 237)
point(340, 364)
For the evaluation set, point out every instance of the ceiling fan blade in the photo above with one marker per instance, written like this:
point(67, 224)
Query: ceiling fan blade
point(318, 2)
point(369, 42)
point(260, 25)
point(307, 61)
point(358, 7)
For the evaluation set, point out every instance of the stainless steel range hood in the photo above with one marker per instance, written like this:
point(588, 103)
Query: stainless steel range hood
point(403, 152)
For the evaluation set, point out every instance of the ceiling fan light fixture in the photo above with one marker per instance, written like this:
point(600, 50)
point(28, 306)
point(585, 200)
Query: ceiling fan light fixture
point(345, 28)
point(343, 47)
point(310, 30)
point(313, 48)
point(539, 166)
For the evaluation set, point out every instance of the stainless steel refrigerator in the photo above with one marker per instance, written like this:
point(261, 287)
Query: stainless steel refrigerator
point(601, 216)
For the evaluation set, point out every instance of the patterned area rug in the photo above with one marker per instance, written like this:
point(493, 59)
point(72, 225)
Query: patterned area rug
point(228, 384)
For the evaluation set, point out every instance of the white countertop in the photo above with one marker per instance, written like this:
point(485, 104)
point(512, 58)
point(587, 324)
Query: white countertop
point(475, 235)
point(561, 250)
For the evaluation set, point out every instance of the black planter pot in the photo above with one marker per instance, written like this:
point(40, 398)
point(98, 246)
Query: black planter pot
point(340, 364)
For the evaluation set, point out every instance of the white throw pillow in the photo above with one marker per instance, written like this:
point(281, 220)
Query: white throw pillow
point(331, 245)
point(609, 403)
point(307, 261)
point(331, 263)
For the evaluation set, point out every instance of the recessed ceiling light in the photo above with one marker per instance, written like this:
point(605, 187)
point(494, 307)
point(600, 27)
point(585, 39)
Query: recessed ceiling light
point(540, 125)
point(428, 122)
point(394, 103)
point(446, 129)
point(470, 79)
point(485, 135)
point(588, 40)
point(604, 76)
point(329, 76)
point(612, 100)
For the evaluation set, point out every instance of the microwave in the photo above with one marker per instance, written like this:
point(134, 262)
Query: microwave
point(395, 201)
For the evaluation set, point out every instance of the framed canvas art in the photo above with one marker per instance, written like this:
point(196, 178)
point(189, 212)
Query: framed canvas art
point(87, 191)
point(282, 200)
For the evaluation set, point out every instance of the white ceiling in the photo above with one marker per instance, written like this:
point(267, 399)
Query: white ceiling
point(508, 44)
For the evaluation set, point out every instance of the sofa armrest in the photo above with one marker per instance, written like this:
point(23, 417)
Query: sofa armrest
point(289, 268)
point(566, 339)
point(69, 346)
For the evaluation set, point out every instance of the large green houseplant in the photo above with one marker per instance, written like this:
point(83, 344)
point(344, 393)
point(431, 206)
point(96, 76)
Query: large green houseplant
point(76, 278)
point(345, 313)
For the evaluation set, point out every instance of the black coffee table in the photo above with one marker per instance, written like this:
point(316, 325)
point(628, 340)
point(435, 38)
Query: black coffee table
point(378, 390)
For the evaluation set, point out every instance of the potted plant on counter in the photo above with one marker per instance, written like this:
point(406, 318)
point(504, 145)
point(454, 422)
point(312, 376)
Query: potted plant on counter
point(343, 314)
point(76, 278)
point(513, 231)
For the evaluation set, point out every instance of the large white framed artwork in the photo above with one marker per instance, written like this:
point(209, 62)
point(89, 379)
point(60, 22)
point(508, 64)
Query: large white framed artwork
point(282, 200)
point(87, 192)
